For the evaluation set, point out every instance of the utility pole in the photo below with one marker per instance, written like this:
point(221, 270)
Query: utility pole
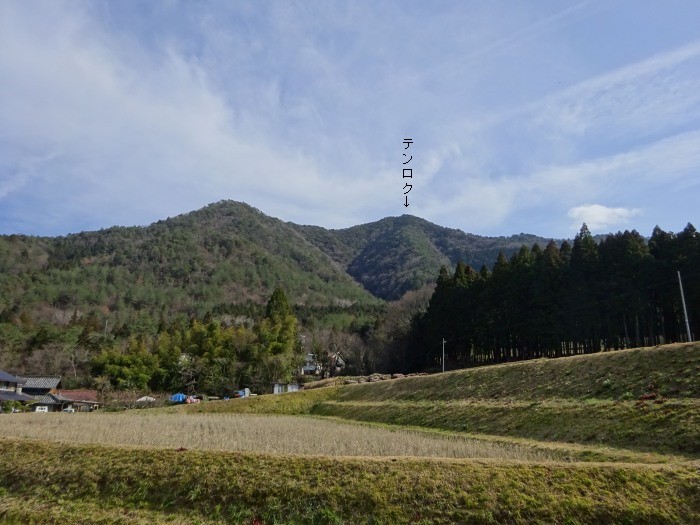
point(443, 354)
point(685, 311)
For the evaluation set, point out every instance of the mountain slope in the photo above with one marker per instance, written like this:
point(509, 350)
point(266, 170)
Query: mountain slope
point(397, 254)
point(226, 255)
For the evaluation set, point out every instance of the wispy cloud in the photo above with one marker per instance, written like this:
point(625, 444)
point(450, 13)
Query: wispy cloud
point(624, 136)
point(635, 100)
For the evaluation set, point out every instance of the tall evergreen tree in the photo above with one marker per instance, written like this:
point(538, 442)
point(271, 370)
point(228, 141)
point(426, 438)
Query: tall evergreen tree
point(279, 349)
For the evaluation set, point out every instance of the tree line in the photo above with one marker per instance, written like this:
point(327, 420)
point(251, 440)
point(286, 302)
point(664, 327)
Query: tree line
point(191, 355)
point(206, 357)
point(560, 301)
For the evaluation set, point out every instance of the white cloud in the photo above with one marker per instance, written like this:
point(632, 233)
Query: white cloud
point(629, 134)
point(599, 218)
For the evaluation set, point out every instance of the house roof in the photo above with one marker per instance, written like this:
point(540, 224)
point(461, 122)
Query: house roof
point(4, 376)
point(80, 395)
point(14, 396)
point(51, 399)
point(48, 382)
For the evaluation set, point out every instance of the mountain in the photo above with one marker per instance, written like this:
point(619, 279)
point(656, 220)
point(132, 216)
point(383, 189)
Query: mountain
point(397, 254)
point(226, 255)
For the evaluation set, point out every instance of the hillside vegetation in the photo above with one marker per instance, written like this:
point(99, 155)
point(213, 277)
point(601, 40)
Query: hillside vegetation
point(397, 254)
point(138, 293)
point(228, 254)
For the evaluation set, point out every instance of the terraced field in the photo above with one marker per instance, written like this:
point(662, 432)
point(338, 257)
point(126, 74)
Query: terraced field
point(606, 438)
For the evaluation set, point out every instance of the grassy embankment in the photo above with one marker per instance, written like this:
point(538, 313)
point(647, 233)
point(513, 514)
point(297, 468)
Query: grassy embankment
point(215, 487)
point(641, 399)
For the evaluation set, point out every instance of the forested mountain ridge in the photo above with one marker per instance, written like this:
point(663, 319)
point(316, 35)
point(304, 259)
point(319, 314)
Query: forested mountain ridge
point(224, 254)
point(230, 253)
point(397, 254)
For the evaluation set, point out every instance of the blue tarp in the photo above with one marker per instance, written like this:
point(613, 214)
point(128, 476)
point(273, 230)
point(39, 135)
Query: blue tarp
point(178, 398)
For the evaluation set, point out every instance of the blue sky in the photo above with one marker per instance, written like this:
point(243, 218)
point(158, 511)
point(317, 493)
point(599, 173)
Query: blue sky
point(526, 116)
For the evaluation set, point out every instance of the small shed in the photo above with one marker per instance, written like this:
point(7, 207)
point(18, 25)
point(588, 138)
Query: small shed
point(281, 388)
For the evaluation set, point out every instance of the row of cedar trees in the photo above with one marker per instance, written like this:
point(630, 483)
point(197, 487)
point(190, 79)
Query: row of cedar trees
point(562, 300)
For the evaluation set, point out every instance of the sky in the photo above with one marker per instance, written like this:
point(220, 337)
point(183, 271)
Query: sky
point(529, 117)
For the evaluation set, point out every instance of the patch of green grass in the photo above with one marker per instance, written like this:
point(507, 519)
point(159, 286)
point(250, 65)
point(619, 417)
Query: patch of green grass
point(288, 404)
point(57, 509)
point(671, 371)
point(234, 487)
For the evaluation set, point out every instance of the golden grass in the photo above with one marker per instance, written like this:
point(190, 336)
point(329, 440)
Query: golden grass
point(260, 434)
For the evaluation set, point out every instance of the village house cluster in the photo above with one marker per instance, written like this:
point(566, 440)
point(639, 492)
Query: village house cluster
point(45, 394)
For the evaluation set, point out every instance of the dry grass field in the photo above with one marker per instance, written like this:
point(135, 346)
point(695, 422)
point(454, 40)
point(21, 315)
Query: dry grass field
point(257, 433)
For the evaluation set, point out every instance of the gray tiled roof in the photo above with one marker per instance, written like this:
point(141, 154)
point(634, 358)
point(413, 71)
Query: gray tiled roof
point(41, 382)
point(51, 399)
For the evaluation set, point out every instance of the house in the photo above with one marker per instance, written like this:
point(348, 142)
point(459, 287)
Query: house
point(41, 385)
point(310, 366)
point(46, 391)
point(53, 402)
point(11, 389)
point(84, 400)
